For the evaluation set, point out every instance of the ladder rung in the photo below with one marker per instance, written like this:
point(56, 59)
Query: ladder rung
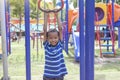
point(101, 25)
point(107, 52)
point(105, 31)
point(107, 38)
point(107, 45)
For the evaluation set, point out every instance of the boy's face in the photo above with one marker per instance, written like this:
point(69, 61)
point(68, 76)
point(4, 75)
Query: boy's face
point(53, 38)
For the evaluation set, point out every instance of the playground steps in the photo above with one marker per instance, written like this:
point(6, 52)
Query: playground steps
point(108, 45)
point(107, 52)
point(106, 40)
point(106, 31)
point(105, 36)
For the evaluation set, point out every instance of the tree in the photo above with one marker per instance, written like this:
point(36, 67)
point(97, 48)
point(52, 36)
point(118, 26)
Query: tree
point(34, 9)
point(17, 10)
point(75, 3)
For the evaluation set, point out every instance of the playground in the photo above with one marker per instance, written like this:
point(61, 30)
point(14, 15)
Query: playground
point(105, 68)
point(91, 36)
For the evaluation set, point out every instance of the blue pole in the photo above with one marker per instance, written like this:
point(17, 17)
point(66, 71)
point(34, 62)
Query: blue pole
point(9, 26)
point(66, 36)
point(113, 12)
point(89, 40)
point(113, 22)
point(27, 40)
point(6, 16)
point(82, 40)
point(118, 37)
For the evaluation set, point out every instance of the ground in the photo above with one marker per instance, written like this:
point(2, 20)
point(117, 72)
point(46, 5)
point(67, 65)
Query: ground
point(105, 68)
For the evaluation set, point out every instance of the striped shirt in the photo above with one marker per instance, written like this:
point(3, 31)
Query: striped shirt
point(54, 60)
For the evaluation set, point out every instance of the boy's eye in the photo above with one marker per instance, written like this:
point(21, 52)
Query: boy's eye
point(55, 37)
point(50, 38)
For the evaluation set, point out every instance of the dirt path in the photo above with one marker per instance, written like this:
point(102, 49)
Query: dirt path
point(107, 59)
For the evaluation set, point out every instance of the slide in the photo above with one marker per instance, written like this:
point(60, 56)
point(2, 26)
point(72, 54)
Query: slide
point(72, 16)
point(76, 45)
point(116, 11)
point(102, 10)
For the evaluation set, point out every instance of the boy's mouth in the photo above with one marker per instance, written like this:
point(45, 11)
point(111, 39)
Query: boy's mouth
point(54, 43)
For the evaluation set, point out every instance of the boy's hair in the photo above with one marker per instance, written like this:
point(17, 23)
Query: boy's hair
point(52, 30)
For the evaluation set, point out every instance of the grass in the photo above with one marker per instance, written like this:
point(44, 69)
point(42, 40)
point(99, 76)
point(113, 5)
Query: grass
point(16, 65)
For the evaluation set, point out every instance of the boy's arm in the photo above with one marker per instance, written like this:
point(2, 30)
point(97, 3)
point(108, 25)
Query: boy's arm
point(59, 26)
point(45, 26)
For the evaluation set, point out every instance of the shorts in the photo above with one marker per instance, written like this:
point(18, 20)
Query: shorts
point(58, 78)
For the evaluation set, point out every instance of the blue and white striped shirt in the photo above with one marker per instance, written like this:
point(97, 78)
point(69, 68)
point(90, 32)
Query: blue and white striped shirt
point(54, 60)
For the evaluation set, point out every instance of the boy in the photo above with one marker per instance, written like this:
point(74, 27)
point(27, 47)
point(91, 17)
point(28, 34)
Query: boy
point(55, 68)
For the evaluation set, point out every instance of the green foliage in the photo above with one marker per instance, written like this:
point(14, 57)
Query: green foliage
point(100, 1)
point(34, 8)
point(118, 1)
point(54, 2)
point(75, 2)
point(17, 7)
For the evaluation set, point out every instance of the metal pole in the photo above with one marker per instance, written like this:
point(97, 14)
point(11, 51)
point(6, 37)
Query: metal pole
point(27, 40)
point(82, 40)
point(67, 34)
point(37, 34)
point(4, 44)
point(118, 37)
point(9, 45)
point(89, 39)
point(113, 12)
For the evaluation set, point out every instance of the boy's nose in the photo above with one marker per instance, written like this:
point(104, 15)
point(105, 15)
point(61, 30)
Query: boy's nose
point(53, 39)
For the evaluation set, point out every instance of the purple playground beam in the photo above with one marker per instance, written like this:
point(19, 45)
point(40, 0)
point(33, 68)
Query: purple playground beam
point(67, 34)
point(27, 40)
point(112, 12)
point(82, 40)
point(9, 42)
point(6, 16)
point(89, 39)
point(118, 37)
